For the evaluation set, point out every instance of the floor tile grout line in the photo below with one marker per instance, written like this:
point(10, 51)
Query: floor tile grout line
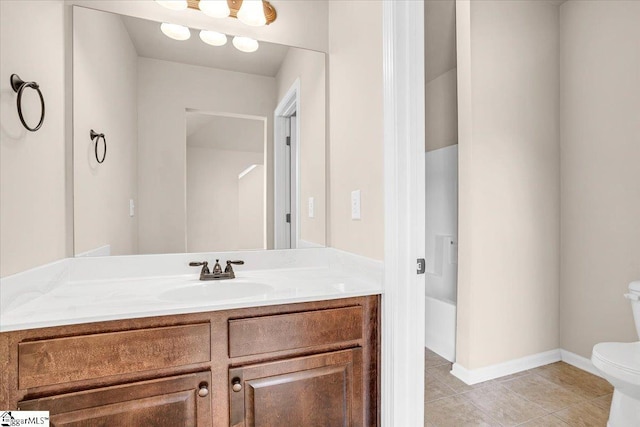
point(557, 385)
point(471, 403)
point(484, 412)
point(524, 398)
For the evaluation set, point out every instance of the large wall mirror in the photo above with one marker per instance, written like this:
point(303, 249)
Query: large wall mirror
point(205, 148)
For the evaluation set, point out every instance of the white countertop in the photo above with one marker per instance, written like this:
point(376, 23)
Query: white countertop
point(83, 301)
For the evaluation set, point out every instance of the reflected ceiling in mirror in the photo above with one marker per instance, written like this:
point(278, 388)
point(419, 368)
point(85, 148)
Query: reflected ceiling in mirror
point(150, 95)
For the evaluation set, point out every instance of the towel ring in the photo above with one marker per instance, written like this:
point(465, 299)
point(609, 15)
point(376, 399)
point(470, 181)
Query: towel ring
point(19, 86)
point(97, 136)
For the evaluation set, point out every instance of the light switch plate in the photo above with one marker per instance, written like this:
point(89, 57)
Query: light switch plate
point(355, 204)
point(132, 208)
point(311, 207)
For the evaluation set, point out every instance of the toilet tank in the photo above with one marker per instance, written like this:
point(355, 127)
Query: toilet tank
point(634, 297)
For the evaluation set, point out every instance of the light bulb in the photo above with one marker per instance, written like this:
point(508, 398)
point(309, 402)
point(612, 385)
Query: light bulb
point(173, 4)
point(175, 31)
point(214, 8)
point(252, 13)
point(213, 38)
point(245, 44)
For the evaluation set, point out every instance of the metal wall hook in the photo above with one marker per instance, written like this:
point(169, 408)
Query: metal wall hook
point(94, 135)
point(18, 85)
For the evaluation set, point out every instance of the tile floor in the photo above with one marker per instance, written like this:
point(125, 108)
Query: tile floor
point(553, 395)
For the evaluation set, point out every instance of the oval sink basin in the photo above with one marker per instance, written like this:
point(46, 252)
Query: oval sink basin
point(216, 290)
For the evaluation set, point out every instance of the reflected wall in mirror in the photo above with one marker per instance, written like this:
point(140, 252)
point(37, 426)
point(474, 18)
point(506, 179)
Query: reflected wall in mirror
point(165, 186)
point(228, 152)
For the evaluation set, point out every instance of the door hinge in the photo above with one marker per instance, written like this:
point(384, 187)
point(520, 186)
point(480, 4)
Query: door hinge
point(288, 218)
point(421, 266)
point(288, 138)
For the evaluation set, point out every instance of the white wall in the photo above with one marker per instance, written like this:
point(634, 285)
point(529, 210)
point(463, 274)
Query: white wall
point(105, 73)
point(213, 198)
point(509, 199)
point(600, 99)
point(33, 202)
point(309, 67)
point(162, 133)
point(442, 223)
point(356, 131)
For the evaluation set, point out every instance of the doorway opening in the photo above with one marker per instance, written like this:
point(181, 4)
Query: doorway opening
point(287, 170)
point(441, 177)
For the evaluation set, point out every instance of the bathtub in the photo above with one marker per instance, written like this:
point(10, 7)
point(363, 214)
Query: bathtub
point(440, 328)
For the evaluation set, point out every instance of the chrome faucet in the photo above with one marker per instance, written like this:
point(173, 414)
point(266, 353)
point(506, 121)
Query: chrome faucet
point(217, 273)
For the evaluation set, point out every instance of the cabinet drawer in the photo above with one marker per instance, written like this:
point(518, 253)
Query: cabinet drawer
point(182, 401)
point(62, 360)
point(267, 334)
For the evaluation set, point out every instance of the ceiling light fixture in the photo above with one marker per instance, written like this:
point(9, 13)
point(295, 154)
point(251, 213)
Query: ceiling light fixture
point(245, 44)
point(215, 8)
point(213, 38)
point(250, 12)
point(173, 4)
point(175, 31)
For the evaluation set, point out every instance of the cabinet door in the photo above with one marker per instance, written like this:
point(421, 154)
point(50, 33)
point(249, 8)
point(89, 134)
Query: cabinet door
point(175, 401)
point(321, 390)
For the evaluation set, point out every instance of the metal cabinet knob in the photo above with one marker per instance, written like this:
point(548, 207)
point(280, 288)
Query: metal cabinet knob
point(236, 385)
point(203, 391)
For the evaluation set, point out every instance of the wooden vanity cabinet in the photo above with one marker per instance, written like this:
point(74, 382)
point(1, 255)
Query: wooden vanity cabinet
point(305, 364)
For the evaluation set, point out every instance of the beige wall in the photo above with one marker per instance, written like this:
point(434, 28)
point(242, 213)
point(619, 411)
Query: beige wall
point(251, 209)
point(213, 199)
point(32, 165)
point(441, 112)
point(509, 181)
point(356, 131)
point(600, 99)
point(162, 132)
point(105, 67)
point(309, 67)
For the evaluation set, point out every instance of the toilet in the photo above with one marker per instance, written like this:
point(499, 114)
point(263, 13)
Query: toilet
point(619, 364)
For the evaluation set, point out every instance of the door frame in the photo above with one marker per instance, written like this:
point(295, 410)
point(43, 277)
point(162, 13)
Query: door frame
point(403, 314)
point(289, 104)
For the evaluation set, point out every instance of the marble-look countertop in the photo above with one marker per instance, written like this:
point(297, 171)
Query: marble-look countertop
point(84, 301)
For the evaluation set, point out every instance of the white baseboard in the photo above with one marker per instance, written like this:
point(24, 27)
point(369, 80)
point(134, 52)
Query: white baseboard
point(579, 362)
point(475, 376)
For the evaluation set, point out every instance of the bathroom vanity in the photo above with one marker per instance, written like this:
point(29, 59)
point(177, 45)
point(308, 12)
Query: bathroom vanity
point(271, 347)
point(259, 366)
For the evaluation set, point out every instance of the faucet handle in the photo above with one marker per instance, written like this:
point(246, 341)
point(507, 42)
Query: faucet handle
point(228, 268)
point(204, 264)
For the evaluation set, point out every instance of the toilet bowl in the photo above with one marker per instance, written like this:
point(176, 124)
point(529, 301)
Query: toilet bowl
point(619, 364)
